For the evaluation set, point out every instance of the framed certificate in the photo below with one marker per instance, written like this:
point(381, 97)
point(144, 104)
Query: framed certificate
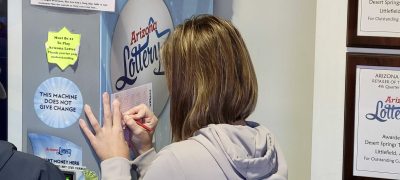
point(372, 117)
point(373, 23)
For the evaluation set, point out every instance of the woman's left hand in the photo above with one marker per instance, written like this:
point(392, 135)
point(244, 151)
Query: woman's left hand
point(107, 141)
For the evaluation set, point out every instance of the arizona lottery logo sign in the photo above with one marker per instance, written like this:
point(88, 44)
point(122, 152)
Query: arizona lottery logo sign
point(141, 30)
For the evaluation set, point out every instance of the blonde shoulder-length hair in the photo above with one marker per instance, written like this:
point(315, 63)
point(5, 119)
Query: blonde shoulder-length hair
point(210, 75)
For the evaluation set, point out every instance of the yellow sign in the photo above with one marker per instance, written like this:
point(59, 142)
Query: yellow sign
point(62, 48)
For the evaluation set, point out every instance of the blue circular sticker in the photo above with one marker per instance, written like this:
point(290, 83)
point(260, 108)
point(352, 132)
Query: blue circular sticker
point(58, 102)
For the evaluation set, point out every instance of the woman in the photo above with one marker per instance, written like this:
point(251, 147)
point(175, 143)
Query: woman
point(213, 90)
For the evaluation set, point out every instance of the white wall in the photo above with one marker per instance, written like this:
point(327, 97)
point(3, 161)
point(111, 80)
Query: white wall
point(329, 82)
point(280, 38)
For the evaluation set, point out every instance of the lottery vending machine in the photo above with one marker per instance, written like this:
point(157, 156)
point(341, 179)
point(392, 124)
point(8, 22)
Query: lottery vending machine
point(75, 50)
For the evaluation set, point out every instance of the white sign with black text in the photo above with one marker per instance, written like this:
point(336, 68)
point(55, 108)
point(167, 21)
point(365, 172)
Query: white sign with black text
point(378, 18)
point(103, 5)
point(377, 122)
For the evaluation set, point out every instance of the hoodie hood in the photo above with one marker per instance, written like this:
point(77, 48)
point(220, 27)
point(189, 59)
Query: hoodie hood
point(6, 151)
point(249, 150)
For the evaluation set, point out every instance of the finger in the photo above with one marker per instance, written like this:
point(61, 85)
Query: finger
point(123, 124)
point(107, 110)
point(139, 111)
point(133, 110)
point(125, 118)
point(145, 116)
point(140, 123)
point(151, 122)
point(116, 115)
point(130, 122)
point(92, 119)
point(87, 131)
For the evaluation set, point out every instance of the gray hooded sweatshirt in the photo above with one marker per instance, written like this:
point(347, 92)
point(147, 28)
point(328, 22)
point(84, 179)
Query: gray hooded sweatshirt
point(218, 151)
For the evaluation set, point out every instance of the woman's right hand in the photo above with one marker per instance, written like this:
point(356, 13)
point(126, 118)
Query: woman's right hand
point(142, 122)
